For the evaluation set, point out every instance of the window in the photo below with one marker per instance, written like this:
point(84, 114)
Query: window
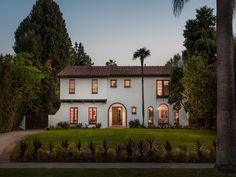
point(113, 83)
point(73, 115)
point(162, 88)
point(150, 115)
point(176, 117)
point(71, 86)
point(92, 115)
point(127, 83)
point(94, 86)
point(133, 109)
point(163, 114)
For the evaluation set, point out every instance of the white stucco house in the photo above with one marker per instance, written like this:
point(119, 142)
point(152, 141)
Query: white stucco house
point(112, 96)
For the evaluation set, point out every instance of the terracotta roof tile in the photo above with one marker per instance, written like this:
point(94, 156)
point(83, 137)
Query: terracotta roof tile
point(113, 71)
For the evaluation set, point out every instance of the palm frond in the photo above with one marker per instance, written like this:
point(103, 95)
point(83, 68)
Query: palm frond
point(178, 6)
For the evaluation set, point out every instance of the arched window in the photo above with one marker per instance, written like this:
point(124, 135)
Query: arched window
point(176, 117)
point(150, 114)
point(163, 115)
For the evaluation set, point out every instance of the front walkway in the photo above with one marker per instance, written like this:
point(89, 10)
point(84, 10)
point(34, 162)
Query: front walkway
point(9, 140)
point(108, 165)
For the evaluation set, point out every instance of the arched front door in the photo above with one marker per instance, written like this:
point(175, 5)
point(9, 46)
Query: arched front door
point(117, 115)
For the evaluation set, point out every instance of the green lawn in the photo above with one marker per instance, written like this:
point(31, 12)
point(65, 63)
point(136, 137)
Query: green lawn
point(114, 136)
point(112, 173)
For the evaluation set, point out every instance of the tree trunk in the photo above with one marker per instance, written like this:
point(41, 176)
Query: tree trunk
point(226, 119)
point(142, 90)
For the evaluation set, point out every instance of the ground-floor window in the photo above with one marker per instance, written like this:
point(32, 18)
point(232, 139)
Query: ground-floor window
point(176, 117)
point(92, 112)
point(150, 115)
point(133, 109)
point(73, 115)
point(163, 114)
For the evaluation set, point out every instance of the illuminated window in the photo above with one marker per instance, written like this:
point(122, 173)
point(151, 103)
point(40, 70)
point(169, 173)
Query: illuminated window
point(176, 117)
point(113, 83)
point(92, 115)
point(150, 115)
point(127, 83)
point(163, 114)
point(94, 86)
point(71, 86)
point(133, 109)
point(73, 115)
point(162, 88)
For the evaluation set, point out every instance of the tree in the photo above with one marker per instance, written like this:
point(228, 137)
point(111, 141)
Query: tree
point(111, 63)
point(80, 57)
point(226, 115)
point(173, 61)
point(142, 54)
point(43, 34)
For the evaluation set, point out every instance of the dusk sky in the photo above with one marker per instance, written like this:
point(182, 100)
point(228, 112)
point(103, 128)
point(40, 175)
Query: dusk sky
point(111, 29)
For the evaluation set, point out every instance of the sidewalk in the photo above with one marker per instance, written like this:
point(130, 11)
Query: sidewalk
point(108, 165)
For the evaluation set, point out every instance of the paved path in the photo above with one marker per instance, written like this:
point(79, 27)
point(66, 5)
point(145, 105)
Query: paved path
point(9, 140)
point(106, 165)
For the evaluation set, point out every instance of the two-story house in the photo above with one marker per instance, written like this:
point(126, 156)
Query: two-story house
point(112, 96)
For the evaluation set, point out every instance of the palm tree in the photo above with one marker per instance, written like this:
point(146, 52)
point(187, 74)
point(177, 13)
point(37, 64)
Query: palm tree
point(226, 114)
point(142, 54)
point(111, 63)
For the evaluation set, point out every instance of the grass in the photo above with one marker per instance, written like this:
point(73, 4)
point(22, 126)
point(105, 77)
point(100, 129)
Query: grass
point(114, 136)
point(112, 172)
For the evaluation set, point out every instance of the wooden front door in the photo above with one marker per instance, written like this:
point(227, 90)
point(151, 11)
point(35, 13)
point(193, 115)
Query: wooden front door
point(117, 115)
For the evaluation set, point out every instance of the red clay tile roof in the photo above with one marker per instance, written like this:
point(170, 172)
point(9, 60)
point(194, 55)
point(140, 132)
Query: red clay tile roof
point(113, 71)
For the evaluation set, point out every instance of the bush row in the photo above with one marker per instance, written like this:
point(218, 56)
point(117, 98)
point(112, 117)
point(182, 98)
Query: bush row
point(66, 125)
point(144, 150)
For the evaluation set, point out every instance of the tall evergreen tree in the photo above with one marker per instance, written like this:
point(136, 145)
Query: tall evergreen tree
point(81, 58)
point(43, 34)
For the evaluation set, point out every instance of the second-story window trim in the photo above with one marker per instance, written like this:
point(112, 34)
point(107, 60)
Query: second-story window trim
point(94, 86)
point(72, 86)
point(162, 88)
point(113, 83)
point(127, 83)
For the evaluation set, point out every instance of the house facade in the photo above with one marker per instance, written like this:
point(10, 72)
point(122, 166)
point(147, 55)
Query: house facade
point(112, 96)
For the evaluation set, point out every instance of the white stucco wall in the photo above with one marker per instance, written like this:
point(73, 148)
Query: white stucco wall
point(126, 96)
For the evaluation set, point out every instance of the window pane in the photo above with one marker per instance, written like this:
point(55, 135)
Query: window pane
point(166, 88)
point(133, 109)
point(127, 83)
point(71, 86)
point(92, 115)
point(73, 115)
point(150, 115)
point(113, 83)
point(94, 86)
point(159, 88)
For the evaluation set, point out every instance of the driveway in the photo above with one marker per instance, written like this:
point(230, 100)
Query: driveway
point(9, 140)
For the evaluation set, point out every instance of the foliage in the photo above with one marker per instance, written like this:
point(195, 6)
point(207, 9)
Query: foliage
point(134, 123)
point(65, 144)
point(105, 149)
point(174, 61)
point(129, 148)
point(43, 34)
point(141, 148)
point(168, 147)
point(63, 125)
point(98, 125)
point(22, 149)
point(19, 86)
point(79, 56)
point(111, 62)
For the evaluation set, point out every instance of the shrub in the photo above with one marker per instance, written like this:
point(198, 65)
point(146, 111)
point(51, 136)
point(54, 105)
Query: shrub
point(131, 123)
point(78, 145)
point(65, 144)
point(98, 125)
point(151, 148)
point(118, 150)
point(129, 148)
point(141, 148)
point(22, 149)
point(137, 123)
point(50, 147)
point(63, 125)
point(92, 149)
point(168, 147)
point(36, 146)
point(198, 148)
point(80, 125)
point(105, 149)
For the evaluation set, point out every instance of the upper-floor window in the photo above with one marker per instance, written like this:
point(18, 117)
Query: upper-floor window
point(92, 115)
point(73, 115)
point(127, 83)
point(94, 86)
point(113, 83)
point(71, 86)
point(162, 88)
point(133, 110)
